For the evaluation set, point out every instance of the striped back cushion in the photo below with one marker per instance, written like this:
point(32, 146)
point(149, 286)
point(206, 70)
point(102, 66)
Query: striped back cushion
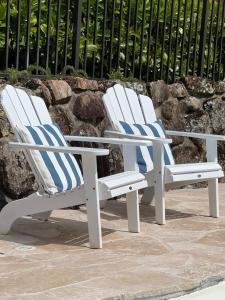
point(58, 172)
point(144, 153)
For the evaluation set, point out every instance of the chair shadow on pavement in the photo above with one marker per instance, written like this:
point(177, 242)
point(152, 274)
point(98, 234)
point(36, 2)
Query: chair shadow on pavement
point(69, 232)
point(57, 230)
point(116, 210)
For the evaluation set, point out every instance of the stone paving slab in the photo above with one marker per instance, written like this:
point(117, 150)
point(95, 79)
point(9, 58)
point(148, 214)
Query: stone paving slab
point(52, 260)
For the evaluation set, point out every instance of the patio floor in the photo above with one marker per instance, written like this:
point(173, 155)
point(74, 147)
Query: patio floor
point(52, 260)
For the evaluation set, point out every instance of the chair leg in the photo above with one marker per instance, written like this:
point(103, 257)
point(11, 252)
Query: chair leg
point(148, 196)
point(92, 198)
point(133, 211)
point(213, 198)
point(158, 162)
point(160, 200)
point(103, 204)
point(6, 220)
point(212, 156)
point(33, 206)
point(94, 223)
point(19, 208)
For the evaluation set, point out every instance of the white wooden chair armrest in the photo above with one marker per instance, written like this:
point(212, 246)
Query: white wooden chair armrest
point(138, 137)
point(115, 141)
point(211, 142)
point(74, 150)
point(196, 135)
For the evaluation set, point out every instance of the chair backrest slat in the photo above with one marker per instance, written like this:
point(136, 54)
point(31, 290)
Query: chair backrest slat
point(22, 109)
point(41, 110)
point(21, 117)
point(114, 103)
point(110, 110)
point(24, 101)
point(135, 106)
point(9, 108)
point(123, 104)
point(147, 109)
point(18, 107)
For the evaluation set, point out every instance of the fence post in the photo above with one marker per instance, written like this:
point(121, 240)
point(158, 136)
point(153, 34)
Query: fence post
point(76, 33)
point(205, 11)
point(27, 58)
point(7, 35)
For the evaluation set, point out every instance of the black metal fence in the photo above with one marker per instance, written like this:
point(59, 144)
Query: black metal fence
point(146, 39)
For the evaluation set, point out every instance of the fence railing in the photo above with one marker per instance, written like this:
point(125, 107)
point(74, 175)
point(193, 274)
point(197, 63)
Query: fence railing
point(146, 39)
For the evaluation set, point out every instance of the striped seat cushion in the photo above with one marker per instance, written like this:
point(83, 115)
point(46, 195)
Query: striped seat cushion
point(58, 172)
point(144, 153)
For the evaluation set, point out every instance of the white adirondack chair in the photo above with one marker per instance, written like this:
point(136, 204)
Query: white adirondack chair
point(23, 110)
point(123, 104)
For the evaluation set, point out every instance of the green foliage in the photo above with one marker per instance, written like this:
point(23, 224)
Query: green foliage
point(119, 75)
point(164, 51)
point(70, 70)
point(38, 70)
point(13, 75)
point(24, 75)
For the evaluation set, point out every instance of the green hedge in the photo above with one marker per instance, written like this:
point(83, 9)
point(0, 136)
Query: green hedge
point(184, 33)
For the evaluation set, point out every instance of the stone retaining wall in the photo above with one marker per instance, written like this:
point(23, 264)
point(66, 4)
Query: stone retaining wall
point(192, 104)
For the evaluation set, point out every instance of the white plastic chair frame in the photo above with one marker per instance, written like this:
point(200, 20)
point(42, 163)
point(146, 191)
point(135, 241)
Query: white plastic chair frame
point(22, 109)
point(123, 104)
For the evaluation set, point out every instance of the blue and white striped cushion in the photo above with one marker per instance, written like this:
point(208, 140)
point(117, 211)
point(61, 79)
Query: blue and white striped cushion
point(145, 154)
point(59, 172)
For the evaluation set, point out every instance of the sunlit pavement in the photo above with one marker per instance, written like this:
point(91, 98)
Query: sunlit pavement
point(52, 260)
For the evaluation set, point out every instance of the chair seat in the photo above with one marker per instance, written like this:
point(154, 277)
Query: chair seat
point(196, 171)
point(121, 179)
point(118, 184)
